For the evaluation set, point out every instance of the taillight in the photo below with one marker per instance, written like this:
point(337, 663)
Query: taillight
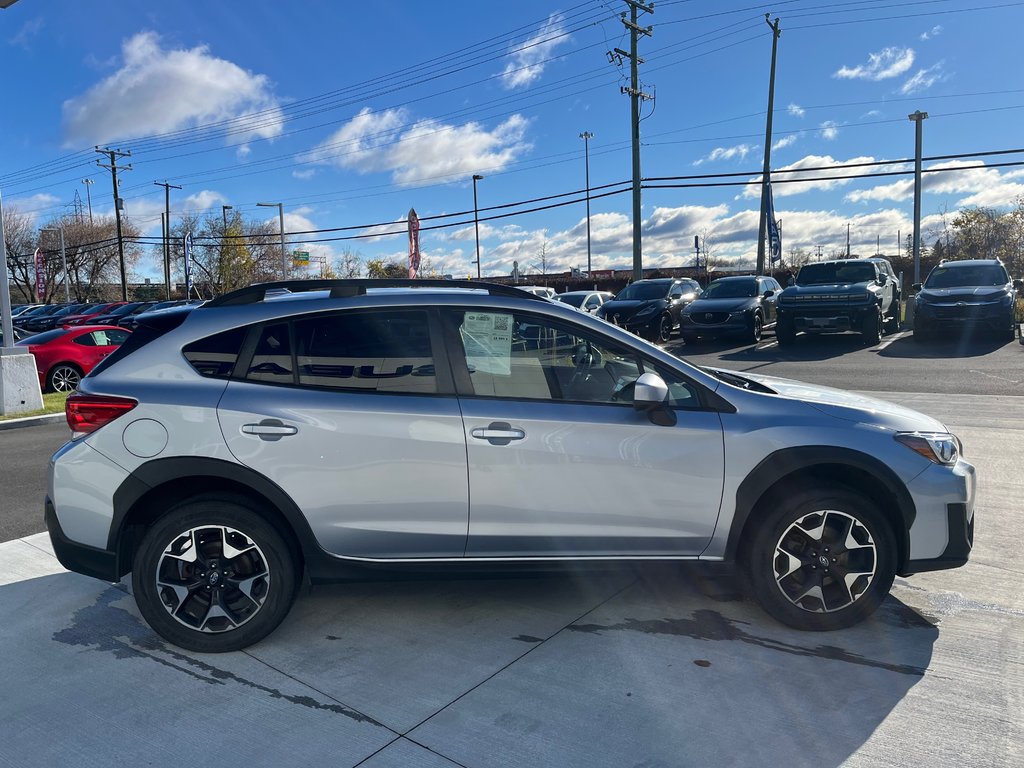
point(87, 413)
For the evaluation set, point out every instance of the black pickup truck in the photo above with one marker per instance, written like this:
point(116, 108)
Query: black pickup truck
point(861, 295)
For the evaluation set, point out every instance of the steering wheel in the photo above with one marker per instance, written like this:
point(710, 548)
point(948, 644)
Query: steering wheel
point(585, 358)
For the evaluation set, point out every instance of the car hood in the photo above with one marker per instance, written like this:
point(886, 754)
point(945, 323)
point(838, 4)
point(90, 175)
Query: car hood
point(630, 307)
point(849, 406)
point(721, 305)
point(968, 293)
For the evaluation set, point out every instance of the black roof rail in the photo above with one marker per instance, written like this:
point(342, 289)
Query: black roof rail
point(342, 288)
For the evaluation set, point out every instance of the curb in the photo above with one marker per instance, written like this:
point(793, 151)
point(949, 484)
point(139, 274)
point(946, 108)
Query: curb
point(31, 421)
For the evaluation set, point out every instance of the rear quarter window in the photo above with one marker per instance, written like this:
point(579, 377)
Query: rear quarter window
point(215, 356)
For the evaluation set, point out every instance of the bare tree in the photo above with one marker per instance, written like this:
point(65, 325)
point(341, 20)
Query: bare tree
point(348, 265)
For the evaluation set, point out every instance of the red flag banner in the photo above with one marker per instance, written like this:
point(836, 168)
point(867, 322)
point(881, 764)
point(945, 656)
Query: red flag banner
point(40, 275)
point(414, 243)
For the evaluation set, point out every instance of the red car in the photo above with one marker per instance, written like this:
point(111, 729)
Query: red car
point(64, 355)
point(83, 316)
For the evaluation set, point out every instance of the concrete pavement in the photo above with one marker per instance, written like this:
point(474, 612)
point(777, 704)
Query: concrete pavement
point(661, 666)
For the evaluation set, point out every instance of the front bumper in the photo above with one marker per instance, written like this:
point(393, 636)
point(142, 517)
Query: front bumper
point(942, 535)
point(825, 318)
point(718, 324)
point(80, 558)
point(953, 316)
point(632, 323)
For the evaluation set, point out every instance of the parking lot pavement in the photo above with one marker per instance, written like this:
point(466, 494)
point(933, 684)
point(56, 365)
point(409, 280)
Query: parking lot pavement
point(658, 666)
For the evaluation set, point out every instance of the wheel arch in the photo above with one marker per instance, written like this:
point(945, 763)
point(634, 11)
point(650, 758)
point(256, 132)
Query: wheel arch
point(823, 465)
point(156, 486)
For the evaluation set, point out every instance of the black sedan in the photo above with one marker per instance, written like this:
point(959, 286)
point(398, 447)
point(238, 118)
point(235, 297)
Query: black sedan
point(743, 306)
point(650, 308)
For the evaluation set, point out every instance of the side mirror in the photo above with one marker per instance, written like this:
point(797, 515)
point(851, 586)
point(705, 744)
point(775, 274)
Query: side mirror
point(650, 394)
point(917, 286)
point(768, 294)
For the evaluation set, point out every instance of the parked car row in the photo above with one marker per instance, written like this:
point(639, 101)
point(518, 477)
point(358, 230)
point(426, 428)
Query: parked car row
point(64, 355)
point(43, 317)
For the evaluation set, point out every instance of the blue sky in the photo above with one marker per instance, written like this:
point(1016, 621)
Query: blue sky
point(350, 114)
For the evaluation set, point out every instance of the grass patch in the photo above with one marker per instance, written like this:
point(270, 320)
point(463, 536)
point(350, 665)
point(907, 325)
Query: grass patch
point(53, 402)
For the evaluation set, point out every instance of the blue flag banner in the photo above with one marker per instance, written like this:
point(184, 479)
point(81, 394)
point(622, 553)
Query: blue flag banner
point(188, 265)
point(774, 232)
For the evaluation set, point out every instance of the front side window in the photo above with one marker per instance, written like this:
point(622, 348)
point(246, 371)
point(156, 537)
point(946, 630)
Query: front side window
point(377, 351)
point(524, 357)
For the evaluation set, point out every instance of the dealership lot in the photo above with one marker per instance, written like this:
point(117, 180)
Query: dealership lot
point(652, 666)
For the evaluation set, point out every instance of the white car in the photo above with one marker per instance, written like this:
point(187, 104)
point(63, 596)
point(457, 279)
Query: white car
point(584, 301)
point(538, 290)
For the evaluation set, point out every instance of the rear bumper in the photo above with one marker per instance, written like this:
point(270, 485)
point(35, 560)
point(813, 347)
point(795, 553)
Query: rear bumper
point(80, 558)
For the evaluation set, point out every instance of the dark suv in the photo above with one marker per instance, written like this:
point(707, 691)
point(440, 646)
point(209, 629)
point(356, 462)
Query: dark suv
point(650, 308)
point(845, 295)
point(961, 294)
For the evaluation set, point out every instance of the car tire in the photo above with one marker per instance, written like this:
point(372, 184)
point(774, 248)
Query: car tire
point(871, 327)
point(754, 328)
point(187, 556)
point(799, 561)
point(895, 318)
point(785, 332)
point(63, 377)
point(1009, 332)
point(663, 331)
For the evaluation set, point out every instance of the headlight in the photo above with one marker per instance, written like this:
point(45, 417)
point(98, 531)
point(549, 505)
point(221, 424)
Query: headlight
point(647, 310)
point(939, 447)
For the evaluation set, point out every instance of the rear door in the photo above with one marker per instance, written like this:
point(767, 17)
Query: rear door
point(348, 413)
point(560, 463)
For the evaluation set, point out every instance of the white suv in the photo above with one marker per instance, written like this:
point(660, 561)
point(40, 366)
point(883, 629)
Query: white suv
point(336, 426)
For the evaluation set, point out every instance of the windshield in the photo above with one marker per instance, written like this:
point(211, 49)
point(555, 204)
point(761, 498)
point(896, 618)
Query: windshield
point(957, 277)
point(575, 299)
point(124, 309)
point(642, 291)
point(836, 272)
point(731, 289)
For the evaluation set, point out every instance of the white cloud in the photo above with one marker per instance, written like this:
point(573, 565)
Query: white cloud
point(38, 206)
point(28, 30)
point(386, 142)
point(726, 153)
point(933, 32)
point(986, 187)
point(829, 130)
point(158, 90)
point(307, 173)
point(871, 113)
point(795, 110)
point(527, 59)
point(819, 167)
point(785, 141)
point(886, 63)
point(924, 79)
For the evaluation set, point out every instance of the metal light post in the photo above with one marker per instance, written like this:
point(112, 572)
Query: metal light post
point(88, 195)
point(918, 118)
point(280, 219)
point(476, 223)
point(587, 136)
point(224, 213)
point(63, 260)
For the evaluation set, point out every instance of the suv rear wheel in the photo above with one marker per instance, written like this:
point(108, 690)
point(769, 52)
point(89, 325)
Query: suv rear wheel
point(212, 575)
point(823, 559)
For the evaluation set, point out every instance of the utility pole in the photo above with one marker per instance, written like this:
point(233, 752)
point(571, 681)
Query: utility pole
point(917, 118)
point(167, 233)
point(114, 154)
point(635, 97)
point(476, 223)
point(847, 239)
point(763, 218)
point(88, 195)
point(280, 223)
point(587, 136)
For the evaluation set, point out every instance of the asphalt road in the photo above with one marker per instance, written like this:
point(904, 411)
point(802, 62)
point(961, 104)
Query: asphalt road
point(24, 454)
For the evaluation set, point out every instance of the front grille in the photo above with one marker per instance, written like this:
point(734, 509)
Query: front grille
point(709, 318)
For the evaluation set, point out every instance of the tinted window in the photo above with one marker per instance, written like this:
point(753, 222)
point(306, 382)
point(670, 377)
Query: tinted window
point(523, 357)
point(378, 351)
point(215, 356)
point(272, 358)
point(836, 272)
point(575, 299)
point(642, 291)
point(108, 338)
point(729, 289)
point(980, 274)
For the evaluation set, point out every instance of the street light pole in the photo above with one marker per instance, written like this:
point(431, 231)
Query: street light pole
point(280, 219)
point(88, 195)
point(63, 259)
point(763, 218)
point(587, 136)
point(476, 223)
point(918, 117)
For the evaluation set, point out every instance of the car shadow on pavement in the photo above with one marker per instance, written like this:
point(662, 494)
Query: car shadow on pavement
point(952, 346)
point(805, 347)
point(601, 667)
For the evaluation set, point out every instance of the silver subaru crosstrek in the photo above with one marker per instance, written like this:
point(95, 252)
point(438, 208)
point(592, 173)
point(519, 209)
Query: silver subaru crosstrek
point(340, 428)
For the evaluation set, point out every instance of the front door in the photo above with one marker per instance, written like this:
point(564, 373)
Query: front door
point(560, 463)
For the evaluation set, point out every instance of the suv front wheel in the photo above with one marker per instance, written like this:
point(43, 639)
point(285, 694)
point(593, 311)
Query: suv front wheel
point(821, 560)
point(213, 575)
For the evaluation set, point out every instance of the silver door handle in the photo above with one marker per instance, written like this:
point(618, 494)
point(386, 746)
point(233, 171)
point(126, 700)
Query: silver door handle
point(498, 433)
point(269, 429)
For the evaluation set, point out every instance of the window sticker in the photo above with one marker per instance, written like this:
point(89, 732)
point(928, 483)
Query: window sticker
point(487, 337)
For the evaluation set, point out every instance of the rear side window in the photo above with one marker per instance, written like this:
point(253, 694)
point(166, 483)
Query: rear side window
point(375, 351)
point(215, 356)
point(272, 358)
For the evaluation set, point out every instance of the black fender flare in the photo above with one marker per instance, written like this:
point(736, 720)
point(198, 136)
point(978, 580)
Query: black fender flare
point(786, 461)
